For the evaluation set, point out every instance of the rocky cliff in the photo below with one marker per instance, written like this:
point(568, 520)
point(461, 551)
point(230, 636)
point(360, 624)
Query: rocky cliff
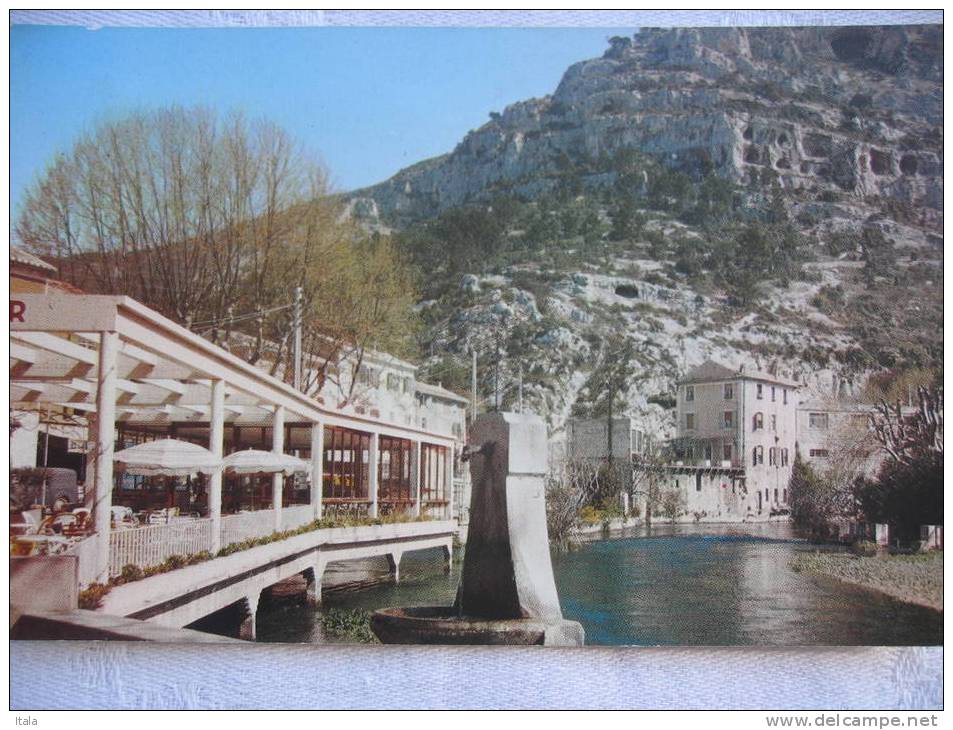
point(838, 114)
point(762, 197)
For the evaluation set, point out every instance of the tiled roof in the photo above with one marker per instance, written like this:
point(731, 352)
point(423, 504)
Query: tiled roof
point(709, 371)
point(713, 372)
point(439, 392)
point(18, 255)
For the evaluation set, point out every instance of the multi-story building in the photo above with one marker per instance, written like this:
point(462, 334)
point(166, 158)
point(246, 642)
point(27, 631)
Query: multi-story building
point(588, 439)
point(743, 423)
point(445, 411)
point(836, 434)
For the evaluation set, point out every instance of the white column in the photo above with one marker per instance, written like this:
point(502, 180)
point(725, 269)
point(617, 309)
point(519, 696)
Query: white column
point(449, 472)
point(216, 445)
point(317, 469)
point(373, 459)
point(89, 479)
point(105, 446)
point(416, 481)
point(278, 447)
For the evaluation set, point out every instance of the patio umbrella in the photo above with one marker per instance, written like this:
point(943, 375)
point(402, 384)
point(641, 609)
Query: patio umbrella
point(255, 461)
point(167, 457)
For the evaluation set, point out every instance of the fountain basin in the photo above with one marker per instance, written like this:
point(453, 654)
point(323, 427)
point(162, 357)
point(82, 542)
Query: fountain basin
point(442, 625)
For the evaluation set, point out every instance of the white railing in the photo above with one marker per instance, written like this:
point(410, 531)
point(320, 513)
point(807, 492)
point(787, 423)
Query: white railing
point(153, 544)
point(296, 515)
point(435, 510)
point(247, 525)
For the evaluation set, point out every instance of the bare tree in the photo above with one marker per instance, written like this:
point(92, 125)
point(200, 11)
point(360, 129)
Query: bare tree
point(214, 222)
point(906, 438)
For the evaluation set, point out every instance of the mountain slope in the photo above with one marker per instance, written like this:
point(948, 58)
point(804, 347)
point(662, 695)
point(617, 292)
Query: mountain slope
point(757, 196)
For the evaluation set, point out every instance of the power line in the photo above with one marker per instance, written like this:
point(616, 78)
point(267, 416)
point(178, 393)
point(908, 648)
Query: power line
point(241, 317)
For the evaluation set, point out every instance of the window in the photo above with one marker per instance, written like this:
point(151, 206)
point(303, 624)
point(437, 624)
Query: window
point(394, 470)
point(817, 420)
point(774, 423)
point(772, 393)
point(689, 421)
point(757, 455)
point(772, 456)
point(784, 395)
point(729, 419)
point(433, 473)
point(760, 391)
point(775, 495)
point(698, 481)
point(346, 464)
point(860, 422)
point(727, 452)
point(689, 393)
point(708, 452)
point(784, 461)
point(785, 492)
point(729, 391)
point(393, 382)
point(757, 422)
point(819, 453)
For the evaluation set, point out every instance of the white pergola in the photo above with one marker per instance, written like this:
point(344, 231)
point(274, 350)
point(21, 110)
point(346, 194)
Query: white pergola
point(116, 361)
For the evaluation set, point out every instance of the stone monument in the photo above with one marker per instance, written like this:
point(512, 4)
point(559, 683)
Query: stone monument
point(507, 594)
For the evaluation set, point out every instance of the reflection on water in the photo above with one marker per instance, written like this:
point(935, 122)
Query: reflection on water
point(668, 585)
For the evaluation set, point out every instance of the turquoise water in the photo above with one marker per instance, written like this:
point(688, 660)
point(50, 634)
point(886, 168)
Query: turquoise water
point(666, 585)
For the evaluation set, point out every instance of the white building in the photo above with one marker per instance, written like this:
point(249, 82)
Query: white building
point(739, 420)
point(588, 439)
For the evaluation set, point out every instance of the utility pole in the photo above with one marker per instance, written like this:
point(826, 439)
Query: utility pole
point(297, 339)
point(496, 374)
point(46, 452)
point(519, 392)
point(473, 385)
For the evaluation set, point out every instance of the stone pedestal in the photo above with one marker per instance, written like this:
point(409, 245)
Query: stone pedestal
point(507, 571)
point(507, 594)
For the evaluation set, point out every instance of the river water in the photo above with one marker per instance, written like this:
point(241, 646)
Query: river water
point(664, 585)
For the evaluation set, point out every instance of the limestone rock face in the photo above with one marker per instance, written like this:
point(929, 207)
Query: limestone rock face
point(852, 112)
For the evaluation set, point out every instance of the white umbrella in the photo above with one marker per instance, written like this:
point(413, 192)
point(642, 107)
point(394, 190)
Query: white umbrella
point(167, 457)
point(254, 461)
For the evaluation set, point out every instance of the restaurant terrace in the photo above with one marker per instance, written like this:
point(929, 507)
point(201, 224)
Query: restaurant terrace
point(134, 378)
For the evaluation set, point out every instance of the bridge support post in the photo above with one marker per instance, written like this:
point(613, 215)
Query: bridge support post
point(393, 563)
point(216, 446)
point(448, 554)
point(247, 629)
point(372, 471)
point(313, 578)
point(278, 447)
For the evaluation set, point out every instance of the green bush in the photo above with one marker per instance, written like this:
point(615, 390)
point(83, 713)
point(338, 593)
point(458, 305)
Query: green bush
point(864, 548)
point(352, 624)
point(92, 597)
point(131, 573)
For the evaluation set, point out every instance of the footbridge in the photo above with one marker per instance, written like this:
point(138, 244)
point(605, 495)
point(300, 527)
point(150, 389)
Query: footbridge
point(181, 597)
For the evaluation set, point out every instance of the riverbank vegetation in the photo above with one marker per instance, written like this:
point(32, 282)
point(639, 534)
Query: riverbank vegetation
point(914, 579)
point(348, 625)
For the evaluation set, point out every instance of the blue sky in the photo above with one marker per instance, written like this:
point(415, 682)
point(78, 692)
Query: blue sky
point(369, 101)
